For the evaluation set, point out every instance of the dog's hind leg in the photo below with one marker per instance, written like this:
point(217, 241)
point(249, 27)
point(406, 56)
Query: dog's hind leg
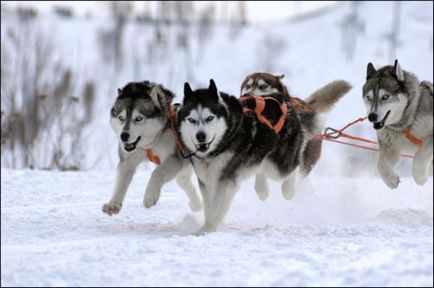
point(124, 174)
point(422, 162)
point(161, 175)
point(387, 160)
point(288, 185)
point(261, 186)
point(184, 181)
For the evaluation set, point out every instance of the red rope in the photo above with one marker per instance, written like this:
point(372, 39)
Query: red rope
point(332, 136)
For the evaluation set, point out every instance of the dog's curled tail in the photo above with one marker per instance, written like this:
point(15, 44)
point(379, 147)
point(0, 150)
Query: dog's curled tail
point(323, 99)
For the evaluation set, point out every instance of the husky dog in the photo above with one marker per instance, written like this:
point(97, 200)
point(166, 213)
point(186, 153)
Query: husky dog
point(141, 119)
point(401, 110)
point(229, 144)
point(261, 84)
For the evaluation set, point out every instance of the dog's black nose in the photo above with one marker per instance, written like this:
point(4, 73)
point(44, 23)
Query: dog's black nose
point(372, 117)
point(125, 136)
point(201, 136)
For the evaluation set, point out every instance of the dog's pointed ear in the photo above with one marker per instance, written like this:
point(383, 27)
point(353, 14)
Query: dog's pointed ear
point(187, 92)
point(280, 77)
point(370, 71)
point(398, 71)
point(119, 91)
point(157, 96)
point(212, 89)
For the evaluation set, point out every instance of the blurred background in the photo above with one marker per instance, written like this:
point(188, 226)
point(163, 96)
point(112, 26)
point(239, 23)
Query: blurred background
point(62, 62)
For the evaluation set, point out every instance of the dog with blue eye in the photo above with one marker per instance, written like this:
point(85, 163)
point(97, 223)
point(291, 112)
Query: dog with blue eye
point(401, 111)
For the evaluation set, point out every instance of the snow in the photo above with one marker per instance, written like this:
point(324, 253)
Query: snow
point(336, 231)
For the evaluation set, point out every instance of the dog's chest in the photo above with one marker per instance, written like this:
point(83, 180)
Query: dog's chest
point(210, 169)
point(397, 140)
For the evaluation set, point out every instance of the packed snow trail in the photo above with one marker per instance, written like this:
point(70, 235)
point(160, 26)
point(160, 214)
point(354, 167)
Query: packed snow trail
point(335, 231)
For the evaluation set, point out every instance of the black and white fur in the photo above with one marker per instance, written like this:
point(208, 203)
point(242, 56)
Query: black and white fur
point(140, 118)
point(395, 101)
point(230, 145)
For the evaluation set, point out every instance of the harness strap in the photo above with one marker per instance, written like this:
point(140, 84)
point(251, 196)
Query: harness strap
point(153, 157)
point(413, 139)
point(259, 108)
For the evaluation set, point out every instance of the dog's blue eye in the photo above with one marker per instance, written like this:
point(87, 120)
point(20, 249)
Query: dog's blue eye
point(121, 118)
point(385, 97)
point(209, 118)
point(191, 120)
point(139, 118)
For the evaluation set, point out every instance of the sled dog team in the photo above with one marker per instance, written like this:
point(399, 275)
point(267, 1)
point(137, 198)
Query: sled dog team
point(265, 132)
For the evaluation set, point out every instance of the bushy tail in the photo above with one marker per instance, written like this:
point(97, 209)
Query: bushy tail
point(323, 99)
point(321, 102)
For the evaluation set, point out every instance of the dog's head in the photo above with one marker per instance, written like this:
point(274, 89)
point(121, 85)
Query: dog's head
point(202, 119)
point(263, 84)
point(385, 95)
point(140, 114)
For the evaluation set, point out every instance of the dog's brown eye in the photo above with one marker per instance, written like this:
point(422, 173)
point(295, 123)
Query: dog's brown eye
point(385, 97)
point(369, 97)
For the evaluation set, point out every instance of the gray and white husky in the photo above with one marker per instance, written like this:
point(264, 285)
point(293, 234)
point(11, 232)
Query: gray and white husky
point(141, 119)
point(230, 144)
point(401, 110)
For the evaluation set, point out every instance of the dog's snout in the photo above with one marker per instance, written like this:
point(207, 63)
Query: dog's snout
point(372, 117)
point(125, 136)
point(201, 136)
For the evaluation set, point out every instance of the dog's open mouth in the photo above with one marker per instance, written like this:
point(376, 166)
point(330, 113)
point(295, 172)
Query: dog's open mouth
point(131, 146)
point(203, 147)
point(380, 124)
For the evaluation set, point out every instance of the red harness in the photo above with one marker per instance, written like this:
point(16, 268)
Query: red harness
point(150, 154)
point(259, 108)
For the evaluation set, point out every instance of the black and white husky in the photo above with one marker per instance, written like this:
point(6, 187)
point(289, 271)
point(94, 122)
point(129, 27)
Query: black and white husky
point(229, 144)
point(140, 117)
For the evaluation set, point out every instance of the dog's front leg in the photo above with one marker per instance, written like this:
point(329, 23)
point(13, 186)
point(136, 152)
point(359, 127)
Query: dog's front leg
point(184, 181)
point(387, 160)
point(161, 175)
point(217, 206)
point(422, 161)
point(124, 173)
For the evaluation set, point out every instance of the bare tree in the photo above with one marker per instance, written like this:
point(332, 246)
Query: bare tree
point(40, 122)
point(205, 29)
point(352, 26)
point(393, 37)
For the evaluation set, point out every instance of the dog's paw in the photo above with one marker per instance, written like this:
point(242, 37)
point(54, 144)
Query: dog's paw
point(420, 176)
point(392, 180)
point(195, 205)
point(151, 198)
point(261, 189)
point(111, 208)
point(288, 189)
point(204, 230)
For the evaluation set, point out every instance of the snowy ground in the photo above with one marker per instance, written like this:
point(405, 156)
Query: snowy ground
point(335, 231)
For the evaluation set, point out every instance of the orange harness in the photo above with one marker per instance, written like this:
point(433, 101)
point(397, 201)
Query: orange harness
point(259, 108)
point(150, 154)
